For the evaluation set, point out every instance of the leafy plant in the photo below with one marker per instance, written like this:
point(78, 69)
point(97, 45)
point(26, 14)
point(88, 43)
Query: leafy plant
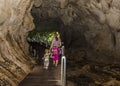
point(40, 37)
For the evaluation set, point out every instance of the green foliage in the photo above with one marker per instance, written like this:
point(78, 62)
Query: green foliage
point(40, 37)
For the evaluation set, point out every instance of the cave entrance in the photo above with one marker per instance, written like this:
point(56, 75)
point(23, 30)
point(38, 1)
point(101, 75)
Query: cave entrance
point(41, 37)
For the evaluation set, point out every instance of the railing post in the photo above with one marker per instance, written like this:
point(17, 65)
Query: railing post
point(63, 71)
point(63, 50)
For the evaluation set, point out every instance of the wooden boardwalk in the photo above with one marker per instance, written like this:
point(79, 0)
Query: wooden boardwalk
point(42, 77)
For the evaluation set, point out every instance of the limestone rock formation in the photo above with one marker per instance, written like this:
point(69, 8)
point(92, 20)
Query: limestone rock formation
point(15, 22)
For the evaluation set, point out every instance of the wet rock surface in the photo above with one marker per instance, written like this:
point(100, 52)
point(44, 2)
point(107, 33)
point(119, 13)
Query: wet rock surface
point(88, 73)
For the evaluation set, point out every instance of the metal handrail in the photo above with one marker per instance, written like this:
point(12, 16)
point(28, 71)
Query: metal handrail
point(63, 68)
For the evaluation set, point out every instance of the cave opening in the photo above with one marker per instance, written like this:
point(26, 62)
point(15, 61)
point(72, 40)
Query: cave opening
point(71, 35)
point(41, 37)
point(82, 35)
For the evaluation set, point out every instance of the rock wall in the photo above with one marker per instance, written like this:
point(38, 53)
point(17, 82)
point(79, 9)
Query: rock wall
point(91, 25)
point(15, 22)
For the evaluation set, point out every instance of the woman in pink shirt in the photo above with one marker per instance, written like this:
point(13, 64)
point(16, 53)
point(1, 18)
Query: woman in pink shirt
point(55, 46)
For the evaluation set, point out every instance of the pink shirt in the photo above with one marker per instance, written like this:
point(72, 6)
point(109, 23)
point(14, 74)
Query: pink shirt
point(56, 43)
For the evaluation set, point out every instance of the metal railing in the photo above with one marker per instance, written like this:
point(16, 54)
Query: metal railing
point(63, 71)
point(63, 68)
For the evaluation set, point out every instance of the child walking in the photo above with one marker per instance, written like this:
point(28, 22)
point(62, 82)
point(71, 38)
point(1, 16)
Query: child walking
point(46, 58)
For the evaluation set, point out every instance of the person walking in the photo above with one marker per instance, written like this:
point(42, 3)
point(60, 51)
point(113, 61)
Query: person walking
point(55, 48)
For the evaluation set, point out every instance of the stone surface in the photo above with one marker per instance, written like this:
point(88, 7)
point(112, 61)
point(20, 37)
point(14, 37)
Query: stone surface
point(84, 73)
point(15, 22)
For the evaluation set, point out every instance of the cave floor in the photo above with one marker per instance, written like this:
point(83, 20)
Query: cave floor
point(42, 77)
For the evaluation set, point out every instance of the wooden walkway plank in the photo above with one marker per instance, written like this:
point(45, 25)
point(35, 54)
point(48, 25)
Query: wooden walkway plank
point(42, 77)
